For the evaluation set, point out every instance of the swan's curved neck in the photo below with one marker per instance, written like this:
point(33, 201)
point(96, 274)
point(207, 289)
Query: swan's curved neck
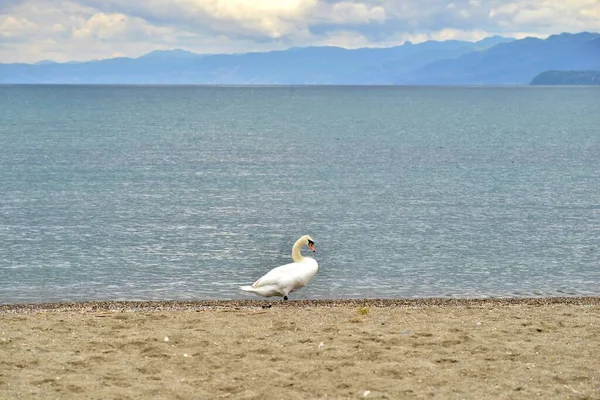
point(296, 255)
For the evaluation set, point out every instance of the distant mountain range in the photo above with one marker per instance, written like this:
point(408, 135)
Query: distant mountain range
point(517, 62)
point(494, 60)
point(567, 78)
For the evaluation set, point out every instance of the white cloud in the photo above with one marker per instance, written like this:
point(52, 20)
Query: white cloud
point(259, 18)
point(540, 16)
point(11, 26)
point(346, 39)
point(353, 13)
point(271, 18)
point(547, 16)
point(457, 34)
point(63, 30)
point(101, 25)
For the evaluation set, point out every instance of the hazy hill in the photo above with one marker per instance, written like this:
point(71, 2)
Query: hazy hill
point(492, 61)
point(310, 65)
point(517, 62)
point(415, 56)
point(567, 78)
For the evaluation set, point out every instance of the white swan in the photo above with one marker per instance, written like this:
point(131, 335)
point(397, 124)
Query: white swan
point(281, 281)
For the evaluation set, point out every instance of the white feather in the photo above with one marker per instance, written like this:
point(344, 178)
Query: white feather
point(282, 280)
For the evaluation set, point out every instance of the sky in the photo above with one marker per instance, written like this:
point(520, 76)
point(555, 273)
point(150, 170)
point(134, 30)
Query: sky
point(79, 30)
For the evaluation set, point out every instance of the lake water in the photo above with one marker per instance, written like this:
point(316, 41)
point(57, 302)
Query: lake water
point(133, 193)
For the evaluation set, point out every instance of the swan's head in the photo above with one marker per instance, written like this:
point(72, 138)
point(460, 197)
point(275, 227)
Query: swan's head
point(309, 242)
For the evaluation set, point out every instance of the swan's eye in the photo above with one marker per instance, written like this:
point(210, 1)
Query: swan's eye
point(311, 242)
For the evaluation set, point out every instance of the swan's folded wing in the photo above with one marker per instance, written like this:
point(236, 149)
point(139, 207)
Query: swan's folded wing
point(278, 275)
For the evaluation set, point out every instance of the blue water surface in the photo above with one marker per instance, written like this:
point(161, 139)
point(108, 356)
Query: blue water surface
point(187, 192)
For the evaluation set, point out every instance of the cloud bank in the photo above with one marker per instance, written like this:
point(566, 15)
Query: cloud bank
point(34, 30)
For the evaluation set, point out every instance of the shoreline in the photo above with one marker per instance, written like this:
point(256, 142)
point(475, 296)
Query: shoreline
point(197, 305)
point(517, 348)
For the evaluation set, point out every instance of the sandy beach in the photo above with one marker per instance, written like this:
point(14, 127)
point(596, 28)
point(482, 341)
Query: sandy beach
point(377, 349)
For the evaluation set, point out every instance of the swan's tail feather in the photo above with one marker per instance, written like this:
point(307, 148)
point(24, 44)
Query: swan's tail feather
point(247, 288)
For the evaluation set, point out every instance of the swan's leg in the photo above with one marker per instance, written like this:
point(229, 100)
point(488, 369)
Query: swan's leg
point(285, 297)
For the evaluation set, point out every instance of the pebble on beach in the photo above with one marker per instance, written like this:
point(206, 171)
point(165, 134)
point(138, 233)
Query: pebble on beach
point(203, 305)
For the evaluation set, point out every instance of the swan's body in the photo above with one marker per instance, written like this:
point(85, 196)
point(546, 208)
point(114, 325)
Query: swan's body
point(282, 280)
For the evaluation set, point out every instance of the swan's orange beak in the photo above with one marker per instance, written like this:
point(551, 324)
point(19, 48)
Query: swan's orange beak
point(311, 246)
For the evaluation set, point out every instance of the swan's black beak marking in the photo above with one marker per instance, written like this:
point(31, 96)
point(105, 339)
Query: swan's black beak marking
point(311, 245)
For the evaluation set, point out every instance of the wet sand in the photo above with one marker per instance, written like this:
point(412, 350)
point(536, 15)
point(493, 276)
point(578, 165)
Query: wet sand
point(503, 349)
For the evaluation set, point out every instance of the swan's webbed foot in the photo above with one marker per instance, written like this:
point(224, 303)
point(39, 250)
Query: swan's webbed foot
point(285, 297)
